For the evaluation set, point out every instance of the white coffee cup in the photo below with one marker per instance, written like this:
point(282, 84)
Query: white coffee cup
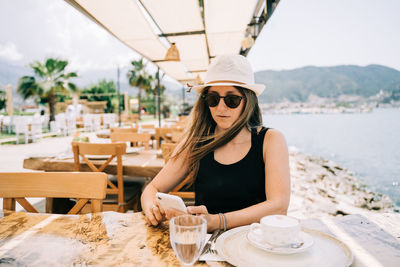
point(277, 230)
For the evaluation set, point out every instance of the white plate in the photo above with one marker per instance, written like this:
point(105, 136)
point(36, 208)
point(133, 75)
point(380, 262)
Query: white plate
point(305, 238)
point(134, 150)
point(327, 251)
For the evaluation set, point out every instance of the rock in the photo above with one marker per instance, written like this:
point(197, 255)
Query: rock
point(323, 188)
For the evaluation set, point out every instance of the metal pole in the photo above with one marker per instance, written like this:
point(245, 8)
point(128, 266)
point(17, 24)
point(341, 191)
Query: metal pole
point(159, 97)
point(119, 99)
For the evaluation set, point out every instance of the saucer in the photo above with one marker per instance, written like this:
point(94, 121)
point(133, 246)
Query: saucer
point(305, 238)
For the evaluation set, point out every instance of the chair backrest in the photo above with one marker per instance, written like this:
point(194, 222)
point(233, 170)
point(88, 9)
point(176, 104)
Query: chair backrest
point(163, 133)
point(116, 150)
point(138, 139)
point(83, 186)
point(147, 126)
point(166, 150)
point(124, 130)
point(176, 135)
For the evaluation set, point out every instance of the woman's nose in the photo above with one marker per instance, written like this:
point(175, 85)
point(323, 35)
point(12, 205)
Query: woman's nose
point(221, 105)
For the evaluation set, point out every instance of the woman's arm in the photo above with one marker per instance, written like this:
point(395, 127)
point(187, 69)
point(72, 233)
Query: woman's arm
point(277, 187)
point(174, 171)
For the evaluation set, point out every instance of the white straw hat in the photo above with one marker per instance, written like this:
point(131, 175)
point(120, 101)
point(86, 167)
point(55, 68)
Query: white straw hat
point(232, 70)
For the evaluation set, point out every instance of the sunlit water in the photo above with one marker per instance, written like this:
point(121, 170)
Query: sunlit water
point(368, 144)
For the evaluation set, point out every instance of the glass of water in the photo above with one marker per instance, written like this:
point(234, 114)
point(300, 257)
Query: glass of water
point(187, 234)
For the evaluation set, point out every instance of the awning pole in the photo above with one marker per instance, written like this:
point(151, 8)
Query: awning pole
point(119, 99)
point(159, 97)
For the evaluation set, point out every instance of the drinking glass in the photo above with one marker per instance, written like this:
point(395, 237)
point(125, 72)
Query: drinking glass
point(187, 234)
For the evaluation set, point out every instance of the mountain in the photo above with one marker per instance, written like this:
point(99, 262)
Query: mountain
point(9, 73)
point(294, 85)
point(299, 84)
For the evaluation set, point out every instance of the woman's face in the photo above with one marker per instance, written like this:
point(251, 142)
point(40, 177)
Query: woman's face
point(223, 115)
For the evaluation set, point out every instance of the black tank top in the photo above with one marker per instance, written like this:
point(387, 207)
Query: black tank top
point(224, 188)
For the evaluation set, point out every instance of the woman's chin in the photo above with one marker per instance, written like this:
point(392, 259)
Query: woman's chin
point(224, 126)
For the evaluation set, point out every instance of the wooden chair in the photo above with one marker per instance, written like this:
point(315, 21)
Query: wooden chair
point(163, 133)
point(176, 135)
point(130, 118)
point(147, 126)
point(119, 197)
point(166, 150)
point(183, 118)
point(181, 189)
point(14, 187)
point(124, 130)
point(137, 139)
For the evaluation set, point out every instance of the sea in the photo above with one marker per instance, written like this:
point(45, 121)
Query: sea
point(367, 144)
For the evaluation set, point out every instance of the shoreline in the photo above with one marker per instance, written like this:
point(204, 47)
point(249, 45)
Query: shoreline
point(321, 187)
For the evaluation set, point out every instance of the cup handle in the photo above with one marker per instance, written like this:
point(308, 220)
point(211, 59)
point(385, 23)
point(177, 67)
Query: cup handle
point(254, 226)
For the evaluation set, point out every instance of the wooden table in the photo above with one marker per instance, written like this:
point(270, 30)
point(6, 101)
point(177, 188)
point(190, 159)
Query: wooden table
point(154, 135)
point(146, 163)
point(108, 239)
point(106, 133)
point(111, 238)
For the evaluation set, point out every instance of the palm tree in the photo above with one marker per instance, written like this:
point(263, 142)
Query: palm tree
point(49, 80)
point(139, 78)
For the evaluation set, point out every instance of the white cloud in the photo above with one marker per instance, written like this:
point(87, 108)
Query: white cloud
point(9, 51)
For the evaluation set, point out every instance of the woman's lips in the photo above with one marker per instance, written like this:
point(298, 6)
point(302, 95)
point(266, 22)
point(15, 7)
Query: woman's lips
point(222, 116)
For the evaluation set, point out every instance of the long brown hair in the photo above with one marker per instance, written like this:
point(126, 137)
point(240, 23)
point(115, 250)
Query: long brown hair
point(199, 137)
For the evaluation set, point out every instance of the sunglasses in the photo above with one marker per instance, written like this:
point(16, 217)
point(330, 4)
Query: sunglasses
point(231, 101)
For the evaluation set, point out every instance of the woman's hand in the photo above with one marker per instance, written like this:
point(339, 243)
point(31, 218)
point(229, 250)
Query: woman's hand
point(154, 212)
point(171, 213)
point(212, 219)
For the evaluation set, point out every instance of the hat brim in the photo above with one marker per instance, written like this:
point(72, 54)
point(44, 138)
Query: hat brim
point(256, 88)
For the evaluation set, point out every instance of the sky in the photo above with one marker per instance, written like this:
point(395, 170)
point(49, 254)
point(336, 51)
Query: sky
point(329, 32)
point(300, 33)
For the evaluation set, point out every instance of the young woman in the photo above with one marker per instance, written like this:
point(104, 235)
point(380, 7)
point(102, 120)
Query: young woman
point(240, 169)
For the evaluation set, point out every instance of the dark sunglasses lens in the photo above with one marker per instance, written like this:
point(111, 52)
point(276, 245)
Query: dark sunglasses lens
point(232, 101)
point(212, 100)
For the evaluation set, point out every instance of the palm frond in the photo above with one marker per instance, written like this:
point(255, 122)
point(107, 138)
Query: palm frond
point(39, 69)
point(72, 87)
point(27, 86)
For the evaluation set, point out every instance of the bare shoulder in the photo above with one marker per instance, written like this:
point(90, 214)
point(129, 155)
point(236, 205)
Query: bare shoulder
point(274, 140)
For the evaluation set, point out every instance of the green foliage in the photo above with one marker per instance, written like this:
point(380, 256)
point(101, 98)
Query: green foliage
point(3, 99)
point(150, 102)
point(149, 105)
point(298, 84)
point(138, 77)
point(103, 91)
point(49, 80)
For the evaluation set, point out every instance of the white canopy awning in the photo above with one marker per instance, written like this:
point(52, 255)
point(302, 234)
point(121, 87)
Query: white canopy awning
point(201, 29)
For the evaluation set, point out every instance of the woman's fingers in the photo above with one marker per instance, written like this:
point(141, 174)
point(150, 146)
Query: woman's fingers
point(153, 214)
point(170, 213)
point(162, 211)
point(150, 218)
point(157, 213)
point(197, 210)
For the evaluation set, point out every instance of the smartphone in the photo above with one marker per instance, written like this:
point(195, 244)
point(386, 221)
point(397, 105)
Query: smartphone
point(171, 202)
